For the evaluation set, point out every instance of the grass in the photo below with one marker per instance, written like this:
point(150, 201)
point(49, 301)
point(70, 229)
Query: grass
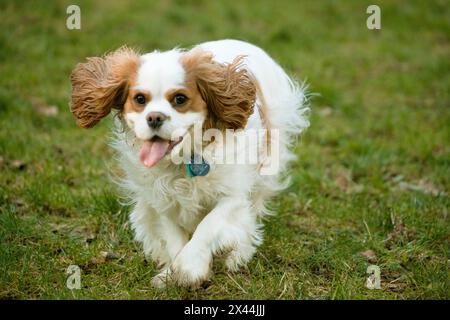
point(373, 174)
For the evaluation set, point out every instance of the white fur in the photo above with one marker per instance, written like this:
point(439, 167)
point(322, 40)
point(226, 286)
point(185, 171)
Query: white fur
point(181, 221)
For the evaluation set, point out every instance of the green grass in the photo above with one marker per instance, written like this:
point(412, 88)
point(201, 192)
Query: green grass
point(375, 163)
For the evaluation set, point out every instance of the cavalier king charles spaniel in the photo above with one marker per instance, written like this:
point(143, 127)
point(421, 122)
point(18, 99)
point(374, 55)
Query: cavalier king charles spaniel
point(203, 137)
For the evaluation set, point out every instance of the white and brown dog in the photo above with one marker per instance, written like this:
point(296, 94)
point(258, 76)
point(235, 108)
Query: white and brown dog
point(183, 214)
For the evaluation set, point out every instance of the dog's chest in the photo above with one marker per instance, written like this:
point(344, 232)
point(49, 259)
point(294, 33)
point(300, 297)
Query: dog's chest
point(170, 190)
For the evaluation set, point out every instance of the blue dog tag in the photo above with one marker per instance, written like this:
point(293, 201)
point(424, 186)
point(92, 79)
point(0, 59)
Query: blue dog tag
point(197, 169)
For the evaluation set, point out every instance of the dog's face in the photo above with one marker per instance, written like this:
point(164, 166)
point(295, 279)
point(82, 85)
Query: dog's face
point(161, 100)
point(161, 96)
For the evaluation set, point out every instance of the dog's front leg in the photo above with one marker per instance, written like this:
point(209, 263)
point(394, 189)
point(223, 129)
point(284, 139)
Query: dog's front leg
point(161, 237)
point(227, 226)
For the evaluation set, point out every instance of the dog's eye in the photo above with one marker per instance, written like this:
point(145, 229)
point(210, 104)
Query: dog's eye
point(140, 99)
point(179, 99)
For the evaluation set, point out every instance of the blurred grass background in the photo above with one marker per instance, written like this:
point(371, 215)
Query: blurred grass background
point(371, 185)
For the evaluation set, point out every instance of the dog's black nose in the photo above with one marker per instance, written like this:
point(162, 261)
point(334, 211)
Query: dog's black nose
point(155, 119)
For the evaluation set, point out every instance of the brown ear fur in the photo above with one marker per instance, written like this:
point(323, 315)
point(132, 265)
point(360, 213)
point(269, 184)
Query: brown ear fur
point(228, 89)
point(101, 84)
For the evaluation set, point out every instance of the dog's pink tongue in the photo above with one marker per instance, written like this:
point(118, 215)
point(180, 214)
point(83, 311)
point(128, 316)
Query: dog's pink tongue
point(152, 151)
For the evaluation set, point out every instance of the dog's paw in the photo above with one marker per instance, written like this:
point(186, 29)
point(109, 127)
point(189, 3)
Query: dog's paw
point(191, 267)
point(162, 279)
point(239, 257)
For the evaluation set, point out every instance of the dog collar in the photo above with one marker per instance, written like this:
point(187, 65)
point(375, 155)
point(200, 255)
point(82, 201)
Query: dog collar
point(197, 169)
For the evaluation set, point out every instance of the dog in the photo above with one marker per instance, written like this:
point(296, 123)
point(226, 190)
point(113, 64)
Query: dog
point(184, 213)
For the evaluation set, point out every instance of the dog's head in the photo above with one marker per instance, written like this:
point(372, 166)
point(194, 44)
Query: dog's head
point(161, 95)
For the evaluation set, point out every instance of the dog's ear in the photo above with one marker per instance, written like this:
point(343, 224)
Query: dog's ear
point(229, 90)
point(101, 84)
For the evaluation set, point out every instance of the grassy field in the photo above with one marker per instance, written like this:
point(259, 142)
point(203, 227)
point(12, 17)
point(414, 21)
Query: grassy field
point(371, 186)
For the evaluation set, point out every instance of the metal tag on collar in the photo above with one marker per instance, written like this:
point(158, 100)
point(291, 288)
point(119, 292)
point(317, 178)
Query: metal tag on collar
point(197, 169)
